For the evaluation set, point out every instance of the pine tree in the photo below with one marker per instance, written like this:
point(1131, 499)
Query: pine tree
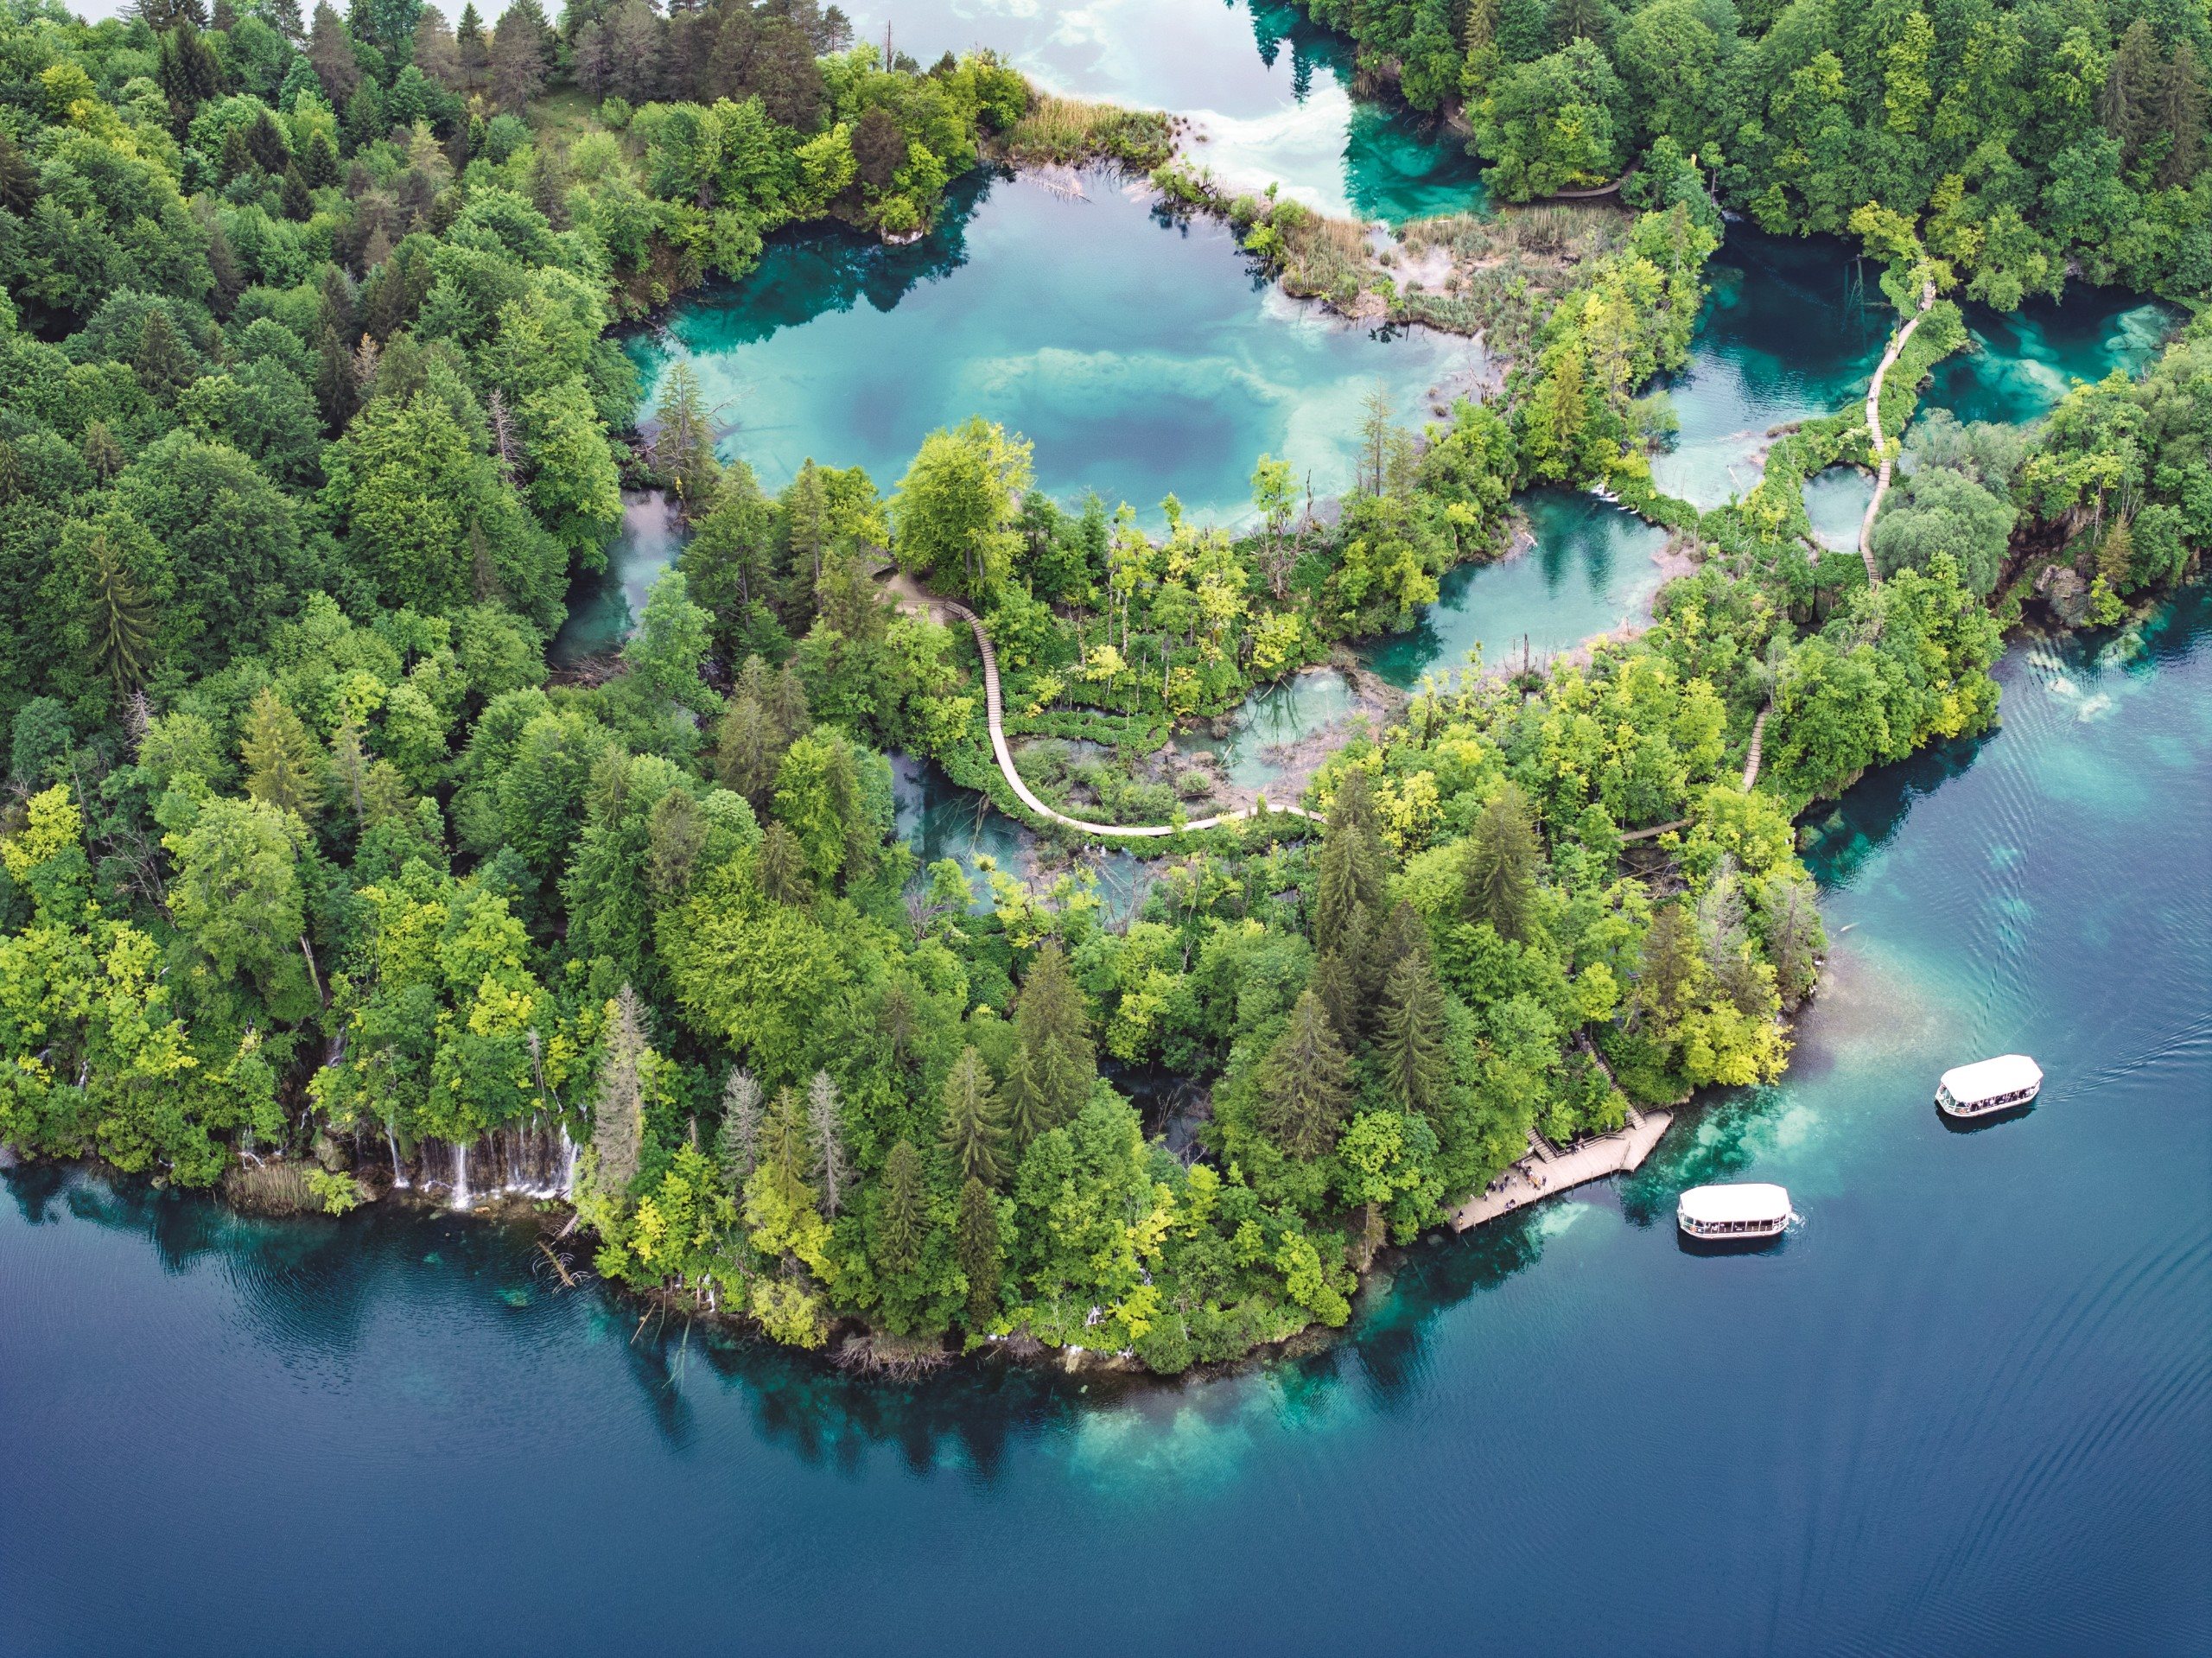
point(1028, 1114)
point(295, 204)
point(102, 453)
point(1792, 935)
point(474, 52)
point(1338, 988)
point(162, 364)
point(1403, 932)
point(1667, 964)
point(349, 764)
point(737, 1145)
point(901, 1221)
point(122, 620)
point(748, 748)
point(1412, 1039)
point(976, 1244)
point(1500, 873)
point(684, 439)
point(2125, 104)
point(1349, 870)
point(1304, 1082)
point(2182, 101)
point(823, 1120)
point(331, 53)
point(322, 161)
point(782, 866)
point(19, 186)
point(787, 1148)
point(619, 1113)
point(974, 1124)
point(281, 765)
point(1053, 1025)
point(336, 395)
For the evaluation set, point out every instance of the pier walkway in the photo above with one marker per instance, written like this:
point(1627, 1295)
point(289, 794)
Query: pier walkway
point(1545, 1173)
point(913, 599)
point(1874, 426)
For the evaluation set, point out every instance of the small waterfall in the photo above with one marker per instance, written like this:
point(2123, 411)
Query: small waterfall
point(567, 1164)
point(398, 1176)
point(460, 1176)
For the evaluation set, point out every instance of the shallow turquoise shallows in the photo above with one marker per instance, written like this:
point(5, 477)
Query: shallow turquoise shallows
point(1794, 327)
point(1141, 359)
point(1269, 94)
point(1965, 1409)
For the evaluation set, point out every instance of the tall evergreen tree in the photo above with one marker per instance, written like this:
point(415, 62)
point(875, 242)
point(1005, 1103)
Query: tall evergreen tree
point(684, 439)
point(281, 765)
point(2181, 103)
point(1304, 1082)
point(1028, 1112)
point(737, 1144)
point(901, 1221)
point(974, 1124)
point(782, 866)
point(824, 1121)
point(2125, 107)
point(787, 1147)
point(619, 1111)
point(1053, 1025)
point(162, 365)
point(1500, 872)
point(123, 621)
point(976, 1245)
point(1412, 1039)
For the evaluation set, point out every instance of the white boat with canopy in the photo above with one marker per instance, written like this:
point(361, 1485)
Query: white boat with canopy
point(1998, 1084)
point(1749, 1210)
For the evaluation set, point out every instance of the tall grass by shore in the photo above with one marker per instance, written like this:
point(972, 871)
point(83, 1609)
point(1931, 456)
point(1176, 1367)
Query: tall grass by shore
point(1070, 131)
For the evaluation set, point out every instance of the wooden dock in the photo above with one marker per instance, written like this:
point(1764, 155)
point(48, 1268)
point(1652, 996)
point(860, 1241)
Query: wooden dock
point(1546, 1172)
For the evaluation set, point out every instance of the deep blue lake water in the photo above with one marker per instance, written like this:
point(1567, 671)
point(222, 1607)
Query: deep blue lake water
point(1967, 1408)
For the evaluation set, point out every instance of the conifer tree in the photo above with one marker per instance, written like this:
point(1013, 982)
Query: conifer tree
point(1304, 1082)
point(824, 1122)
point(1501, 855)
point(2182, 102)
point(123, 621)
point(162, 364)
point(2125, 104)
point(737, 1144)
point(1028, 1113)
point(1053, 1025)
point(1333, 983)
point(281, 765)
point(974, 1124)
point(976, 1244)
point(684, 439)
point(787, 1148)
point(619, 1113)
point(782, 866)
point(1667, 964)
point(103, 454)
point(1411, 1039)
point(1349, 868)
point(349, 764)
point(900, 1222)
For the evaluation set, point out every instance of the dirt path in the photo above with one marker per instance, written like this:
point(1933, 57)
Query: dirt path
point(1874, 425)
point(913, 599)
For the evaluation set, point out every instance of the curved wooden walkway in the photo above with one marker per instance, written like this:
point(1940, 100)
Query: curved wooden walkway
point(994, 708)
point(1758, 744)
point(1874, 426)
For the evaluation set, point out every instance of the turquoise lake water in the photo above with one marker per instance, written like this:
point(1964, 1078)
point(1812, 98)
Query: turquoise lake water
point(1966, 1408)
point(1270, 94)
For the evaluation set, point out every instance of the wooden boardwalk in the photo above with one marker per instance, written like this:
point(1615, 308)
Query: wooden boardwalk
point(994, 708)
point(1874, 426)
point(1545, 1173)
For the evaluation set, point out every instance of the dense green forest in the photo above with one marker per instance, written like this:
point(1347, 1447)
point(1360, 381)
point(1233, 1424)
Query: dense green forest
point(308, 415)
point(2033, 141)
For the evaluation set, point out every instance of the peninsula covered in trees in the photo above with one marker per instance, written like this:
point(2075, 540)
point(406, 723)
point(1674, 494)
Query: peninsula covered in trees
point(314, 882)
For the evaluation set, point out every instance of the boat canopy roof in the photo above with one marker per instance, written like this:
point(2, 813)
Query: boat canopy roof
point(1713, 1205)
point(2009, 1073)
